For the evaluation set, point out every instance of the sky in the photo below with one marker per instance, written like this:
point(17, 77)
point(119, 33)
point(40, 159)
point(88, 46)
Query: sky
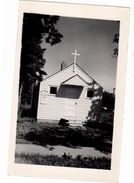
point(93, 40)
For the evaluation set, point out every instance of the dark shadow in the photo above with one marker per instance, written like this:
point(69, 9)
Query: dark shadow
point(69, 137)
point(101, 136)
point(69, 91)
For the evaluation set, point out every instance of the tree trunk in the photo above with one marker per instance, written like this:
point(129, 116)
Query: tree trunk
point(20, 102)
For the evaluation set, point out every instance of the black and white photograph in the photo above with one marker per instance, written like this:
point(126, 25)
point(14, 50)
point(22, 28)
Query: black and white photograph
point(67, 91)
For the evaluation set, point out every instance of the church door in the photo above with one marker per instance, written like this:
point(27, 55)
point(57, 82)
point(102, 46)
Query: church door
point(70, 108)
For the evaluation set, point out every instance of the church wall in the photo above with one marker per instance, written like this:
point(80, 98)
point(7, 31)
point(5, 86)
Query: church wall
point(54, 107)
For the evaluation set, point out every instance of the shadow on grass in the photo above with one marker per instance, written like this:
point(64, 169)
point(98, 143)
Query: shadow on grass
point(103, 142)
point(97, 137)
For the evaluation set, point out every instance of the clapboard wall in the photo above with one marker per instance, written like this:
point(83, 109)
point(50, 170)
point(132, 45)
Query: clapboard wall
point(53, 107)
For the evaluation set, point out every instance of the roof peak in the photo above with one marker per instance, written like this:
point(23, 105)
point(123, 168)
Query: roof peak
point(76, 74)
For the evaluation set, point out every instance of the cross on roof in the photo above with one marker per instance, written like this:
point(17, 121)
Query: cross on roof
point(75, 55)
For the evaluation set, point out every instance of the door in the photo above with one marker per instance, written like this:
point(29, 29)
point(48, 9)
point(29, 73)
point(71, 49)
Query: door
point(70, 108)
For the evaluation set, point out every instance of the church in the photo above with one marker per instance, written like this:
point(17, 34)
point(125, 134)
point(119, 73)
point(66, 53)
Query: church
point(71, 94)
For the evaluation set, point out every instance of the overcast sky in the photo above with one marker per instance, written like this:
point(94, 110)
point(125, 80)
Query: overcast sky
point(93, 40)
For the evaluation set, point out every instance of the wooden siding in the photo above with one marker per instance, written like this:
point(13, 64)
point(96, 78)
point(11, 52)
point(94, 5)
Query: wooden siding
point(54, 107)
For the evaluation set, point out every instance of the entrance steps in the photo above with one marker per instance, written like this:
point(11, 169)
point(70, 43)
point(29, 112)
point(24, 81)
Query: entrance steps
point(75, 123)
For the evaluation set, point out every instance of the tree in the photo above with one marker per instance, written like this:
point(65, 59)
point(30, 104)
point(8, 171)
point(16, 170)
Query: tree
point(36, 27)
point(108, 101)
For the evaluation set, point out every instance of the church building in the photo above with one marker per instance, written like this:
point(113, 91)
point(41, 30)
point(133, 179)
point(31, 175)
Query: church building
point(70, 93)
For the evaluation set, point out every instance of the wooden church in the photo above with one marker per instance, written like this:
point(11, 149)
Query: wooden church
point(70, 94)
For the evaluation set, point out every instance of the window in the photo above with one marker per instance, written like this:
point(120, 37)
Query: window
point(69, 91)
point(53, 90)
point(90, 93)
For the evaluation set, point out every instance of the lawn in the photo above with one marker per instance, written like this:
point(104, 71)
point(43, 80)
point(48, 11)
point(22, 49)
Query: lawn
point(98, 136)
point(95, 135)
point(65, 161)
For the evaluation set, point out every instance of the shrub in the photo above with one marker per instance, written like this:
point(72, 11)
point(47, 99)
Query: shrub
point(106, 127)
point(63, 122)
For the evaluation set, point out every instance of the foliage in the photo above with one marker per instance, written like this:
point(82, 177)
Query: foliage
point(96, 103)
point(107, 117)
point(63, 122)
point(65, 160)
point(35, 28)
point(116, 40)
point(108, 101)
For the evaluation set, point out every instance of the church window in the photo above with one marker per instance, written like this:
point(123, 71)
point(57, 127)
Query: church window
point(53, 90)
point(90, 93)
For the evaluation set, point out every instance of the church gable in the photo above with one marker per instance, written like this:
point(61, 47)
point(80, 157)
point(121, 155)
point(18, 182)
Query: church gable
point(68, 72)
point(72, 74)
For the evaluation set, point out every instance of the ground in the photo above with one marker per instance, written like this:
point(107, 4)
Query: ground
point(51, 144)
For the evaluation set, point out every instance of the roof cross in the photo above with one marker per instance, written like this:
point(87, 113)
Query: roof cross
point(75, 55)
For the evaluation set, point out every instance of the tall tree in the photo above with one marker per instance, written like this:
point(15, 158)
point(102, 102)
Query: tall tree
point(108, 101)
point(36, 27)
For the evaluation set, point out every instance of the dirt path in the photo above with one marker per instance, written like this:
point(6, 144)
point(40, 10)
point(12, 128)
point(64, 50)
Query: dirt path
point(59, 150)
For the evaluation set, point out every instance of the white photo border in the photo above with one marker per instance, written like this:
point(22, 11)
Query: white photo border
point(121, 14)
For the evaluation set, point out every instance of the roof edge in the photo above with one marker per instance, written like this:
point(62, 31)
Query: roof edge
point(89, 75)
point(57, 72)
point(76, 74)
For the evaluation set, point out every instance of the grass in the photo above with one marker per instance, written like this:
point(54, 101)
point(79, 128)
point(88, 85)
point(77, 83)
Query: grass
point(65, 160)
point(95, 135)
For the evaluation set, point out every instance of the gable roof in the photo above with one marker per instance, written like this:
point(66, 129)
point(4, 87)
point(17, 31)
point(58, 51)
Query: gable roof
point(79, 76)
point(57, 72)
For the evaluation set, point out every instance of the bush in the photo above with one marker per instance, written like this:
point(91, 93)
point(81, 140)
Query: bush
point(107, 127)
point(63, 122)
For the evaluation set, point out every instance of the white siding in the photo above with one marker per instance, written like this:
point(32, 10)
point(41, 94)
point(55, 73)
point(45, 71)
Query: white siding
point(54, 108)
